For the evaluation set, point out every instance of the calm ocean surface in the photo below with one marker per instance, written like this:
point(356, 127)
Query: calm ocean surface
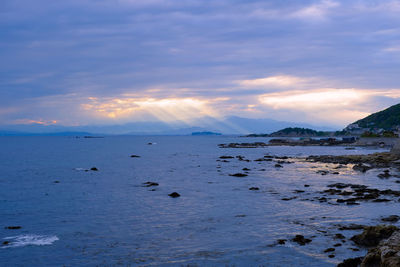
point(74, 217)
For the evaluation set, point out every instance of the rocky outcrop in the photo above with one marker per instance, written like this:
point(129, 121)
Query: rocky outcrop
point(386, 254)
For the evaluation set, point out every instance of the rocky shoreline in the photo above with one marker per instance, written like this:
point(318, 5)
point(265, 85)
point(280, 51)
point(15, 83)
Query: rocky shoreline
point(382, 240)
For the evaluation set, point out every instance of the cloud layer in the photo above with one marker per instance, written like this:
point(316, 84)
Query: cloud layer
point(84, 62)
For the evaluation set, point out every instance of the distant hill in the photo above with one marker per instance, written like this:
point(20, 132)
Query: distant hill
point(227, 125)
point(387, 119)
point(204, 133)
point(298, 132)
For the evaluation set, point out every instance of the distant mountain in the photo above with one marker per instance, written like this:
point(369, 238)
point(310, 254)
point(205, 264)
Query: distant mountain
point(228, 125)
point(387, 119)
point(204, 133)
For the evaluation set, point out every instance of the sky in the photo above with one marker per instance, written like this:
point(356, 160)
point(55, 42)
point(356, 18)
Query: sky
point(105, 62)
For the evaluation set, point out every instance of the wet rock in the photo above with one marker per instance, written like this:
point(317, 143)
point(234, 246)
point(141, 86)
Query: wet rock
point(306, 185)
point(56, 182)
point(352, 227)
point(288, 198)
point(391, 218)
point(174, 195)
point(336, 173)
point(322, 172)
point(13, 227)
point(361, 167)
point(94, 169)
point(329, 250)
point(226, 157)
point(339, 236)
point(5, 243)
point(337, 245)
point(331, 256)
point(135, 156)
point(299, 239)
point(240, 215)
point(278, 165)
point(373, 234)
point(352, 262)
point(387, 253)
point(282, 241)
point(299, 191)
point(238, 175)
point(254, 188)
point(385, 174)
point(150, 184)
point(245, 169)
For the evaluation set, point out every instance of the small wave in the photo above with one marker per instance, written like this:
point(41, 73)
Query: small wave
point(26, 240)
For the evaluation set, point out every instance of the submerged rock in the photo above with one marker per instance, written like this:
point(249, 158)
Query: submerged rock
point(94, 169)
point(282, 241)
point(254, 188)
point(135, 156)
point(299, 239)
point(174, 195)
point(13, 227)
point(391, 218)
point(372, 235)
point(238, 175)
point(149, 184)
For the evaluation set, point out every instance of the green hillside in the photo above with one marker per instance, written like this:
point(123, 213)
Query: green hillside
point(298, 132)
point(385, 119)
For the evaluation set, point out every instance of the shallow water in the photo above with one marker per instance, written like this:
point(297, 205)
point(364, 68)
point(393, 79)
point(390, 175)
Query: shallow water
point(74, 217)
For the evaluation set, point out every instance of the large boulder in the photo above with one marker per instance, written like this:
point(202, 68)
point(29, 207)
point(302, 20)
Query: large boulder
point(386, 254)
point(372, 235)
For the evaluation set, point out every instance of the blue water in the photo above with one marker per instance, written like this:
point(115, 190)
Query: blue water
point(107, 218)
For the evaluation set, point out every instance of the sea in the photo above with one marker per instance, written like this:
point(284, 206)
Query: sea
point(73, 215)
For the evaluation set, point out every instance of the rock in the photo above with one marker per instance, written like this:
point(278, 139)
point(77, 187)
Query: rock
point(301, 240)
point(226, 157)
point(322, 172)
point(94, 169)
point(391, 218)
point(238, 175)
point(306, 185)
point(174, 195)
point(5, 243)
point(56, 182)
point(387, 253)
point(288, 198)
point(282, 241)
point(254, 188)
point(361, 167)
point(135, 156)
point(329, 250)
point(337, 245)
point(384, 175)
point(373, 234)
point(340, 236)
point(352, 227)
point(331, 256)
point(278, 166)
point(149, 184)
point(13, 227)
point(352, 262)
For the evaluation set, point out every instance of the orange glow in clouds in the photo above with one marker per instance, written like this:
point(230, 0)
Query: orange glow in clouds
point(169, 109)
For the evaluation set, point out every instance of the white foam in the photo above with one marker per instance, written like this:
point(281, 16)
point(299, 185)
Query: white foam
point(26, 240)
